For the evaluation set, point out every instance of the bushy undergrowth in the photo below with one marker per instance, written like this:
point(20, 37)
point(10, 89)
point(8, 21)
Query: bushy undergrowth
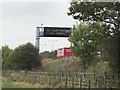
point(74, 65)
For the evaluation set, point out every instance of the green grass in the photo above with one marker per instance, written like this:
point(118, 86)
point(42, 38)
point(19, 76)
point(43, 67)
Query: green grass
point(74, 65)
point(6, 83)
point(59, 65)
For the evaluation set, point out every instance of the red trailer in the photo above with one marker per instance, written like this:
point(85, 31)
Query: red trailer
point(64, 52)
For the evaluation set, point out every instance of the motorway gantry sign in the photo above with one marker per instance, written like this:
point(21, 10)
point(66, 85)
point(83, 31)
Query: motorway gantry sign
point(55, 32)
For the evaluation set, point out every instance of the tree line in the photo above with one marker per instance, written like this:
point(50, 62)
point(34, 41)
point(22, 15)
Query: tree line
point(95, 37)
point(24, 57)
point(97, 33)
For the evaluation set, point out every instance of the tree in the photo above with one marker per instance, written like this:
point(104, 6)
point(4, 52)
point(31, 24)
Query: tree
point(53, 54)
point(45, 54)
point(6, 53)
point(25, 57)
point(86, 41)
point(108, 13)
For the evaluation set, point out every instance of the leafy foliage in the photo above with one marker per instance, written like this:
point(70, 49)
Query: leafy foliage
point(6, 53)
point(47, 54)
point(86, 40)
point(25, 57)
point(96, 11)
point(108, 13)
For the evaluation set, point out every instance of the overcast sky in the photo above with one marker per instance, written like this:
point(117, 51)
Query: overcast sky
point(19, 20)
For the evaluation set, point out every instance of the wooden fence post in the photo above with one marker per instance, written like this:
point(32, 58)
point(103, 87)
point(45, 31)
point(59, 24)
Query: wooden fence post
point(37, 78)
point(117, 84)
point(89, 85)
point(49, 80)
point(40, 78)
point(44, 79)
point(94, 74)
point(60, 79)
point(97, 84)
point(69, 76)
point(33, 78)
point(108, 82)
point(66, 82)
point(54, 80)
point(73, 83)
point(76, 75)
point(84, 75)
point(80, 83)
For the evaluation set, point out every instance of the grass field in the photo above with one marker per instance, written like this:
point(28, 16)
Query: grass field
point(73, 66)
point(6, 83)
point(56, 66)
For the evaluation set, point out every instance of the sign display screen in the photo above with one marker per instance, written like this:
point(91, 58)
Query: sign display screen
point(56, 32)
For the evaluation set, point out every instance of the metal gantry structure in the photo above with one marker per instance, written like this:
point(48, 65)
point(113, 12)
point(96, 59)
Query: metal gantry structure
point(50, 32)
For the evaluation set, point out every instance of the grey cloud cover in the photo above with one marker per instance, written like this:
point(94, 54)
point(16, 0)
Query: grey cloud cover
point(19, 20)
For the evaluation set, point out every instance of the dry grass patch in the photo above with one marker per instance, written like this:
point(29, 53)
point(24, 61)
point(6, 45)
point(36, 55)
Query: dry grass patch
point(22, 84)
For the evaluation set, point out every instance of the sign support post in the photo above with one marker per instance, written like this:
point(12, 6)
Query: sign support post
point(37, 38)
point(51, 32)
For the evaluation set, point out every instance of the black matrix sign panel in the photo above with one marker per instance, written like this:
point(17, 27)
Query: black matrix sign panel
point(56, 32)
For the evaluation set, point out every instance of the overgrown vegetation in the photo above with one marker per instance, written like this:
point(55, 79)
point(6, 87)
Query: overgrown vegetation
point(58, 79)
point(24, 57)
point(8, 83)
point(107, 13)
point(6, 53)
point(74, 65)
point(87, 41)
point(95, 42)
point(47, 54)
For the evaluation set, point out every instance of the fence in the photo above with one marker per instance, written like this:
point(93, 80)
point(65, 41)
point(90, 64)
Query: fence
point(65, 79)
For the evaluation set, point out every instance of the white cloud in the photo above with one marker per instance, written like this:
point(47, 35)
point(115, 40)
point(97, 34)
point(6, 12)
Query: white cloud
point(19, 21)
point(0, 26)
point(35, 0)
